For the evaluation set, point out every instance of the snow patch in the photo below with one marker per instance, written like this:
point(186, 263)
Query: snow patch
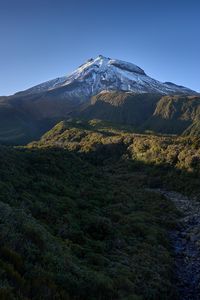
point(106, 74)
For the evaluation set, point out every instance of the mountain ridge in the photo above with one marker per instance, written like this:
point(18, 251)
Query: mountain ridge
point(105, 88)
point(104, 73)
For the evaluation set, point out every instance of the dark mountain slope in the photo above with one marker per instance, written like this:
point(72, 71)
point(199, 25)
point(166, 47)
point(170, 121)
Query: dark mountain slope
point(120, 107)
point(153, 112)
point(38, 108)
point(174, 114)
point(23, 119)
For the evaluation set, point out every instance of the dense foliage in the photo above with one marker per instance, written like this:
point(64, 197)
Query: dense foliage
point(24, 118)
point(168, 157)
point(77, 218)
point(175, 115)
point(151, 112)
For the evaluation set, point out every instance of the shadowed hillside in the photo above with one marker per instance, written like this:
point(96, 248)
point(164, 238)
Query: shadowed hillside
point(94, 137)
point(72, 231)
point(78, 220)
point(175, 115)
point(26, 117)
point(122, 108)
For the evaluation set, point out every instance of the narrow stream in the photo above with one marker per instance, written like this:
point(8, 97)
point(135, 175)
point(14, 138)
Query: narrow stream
point(186, 244)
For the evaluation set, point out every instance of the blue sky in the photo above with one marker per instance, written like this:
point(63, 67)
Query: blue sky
point(45, 39)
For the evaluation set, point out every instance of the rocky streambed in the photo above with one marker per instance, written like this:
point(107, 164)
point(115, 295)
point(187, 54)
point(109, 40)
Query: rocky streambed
point(186, 243)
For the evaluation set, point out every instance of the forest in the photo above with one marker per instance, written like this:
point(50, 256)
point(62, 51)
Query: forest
point(80, 218)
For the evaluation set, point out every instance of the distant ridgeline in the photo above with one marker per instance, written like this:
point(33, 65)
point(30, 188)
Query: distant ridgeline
point(102, 88)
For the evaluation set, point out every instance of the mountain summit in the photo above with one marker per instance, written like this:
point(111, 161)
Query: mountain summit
point(102, 88)
point(106, 74)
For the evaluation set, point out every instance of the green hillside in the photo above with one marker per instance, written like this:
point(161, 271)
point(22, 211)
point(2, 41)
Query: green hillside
point(146, 112)
point(174, 115)
point(78, 220)
point(97, 140)
point(72, 231)
point(121, 107)
point(26, 118)
point(193, 130)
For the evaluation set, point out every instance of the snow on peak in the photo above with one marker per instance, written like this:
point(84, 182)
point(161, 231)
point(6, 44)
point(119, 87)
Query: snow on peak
point(106, 74)
point(102, 61)
point(126, 66)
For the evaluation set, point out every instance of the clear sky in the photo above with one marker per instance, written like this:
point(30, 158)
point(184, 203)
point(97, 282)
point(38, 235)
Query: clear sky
point(45, 39)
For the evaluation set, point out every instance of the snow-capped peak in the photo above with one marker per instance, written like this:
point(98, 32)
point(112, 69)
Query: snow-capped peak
point(104, 63)
point(104, 74)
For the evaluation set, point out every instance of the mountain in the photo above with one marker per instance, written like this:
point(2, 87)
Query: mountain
point(120, 107)
point(104, 88)
point(108, 74)
point(171, 114)
point(175, 115)
point(82, 211)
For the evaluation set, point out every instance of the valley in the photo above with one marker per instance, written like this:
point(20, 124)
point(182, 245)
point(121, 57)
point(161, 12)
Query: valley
point(98, 174)
point(99, 150)
point(77, 208)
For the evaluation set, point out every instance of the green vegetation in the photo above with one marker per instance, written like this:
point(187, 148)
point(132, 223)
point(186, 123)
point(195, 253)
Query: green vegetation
point(175, 115)
point(77, 218)
point(176, 159)
point(24, 118)
point(147, 112)
point(121, 107)
point(193, 130)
